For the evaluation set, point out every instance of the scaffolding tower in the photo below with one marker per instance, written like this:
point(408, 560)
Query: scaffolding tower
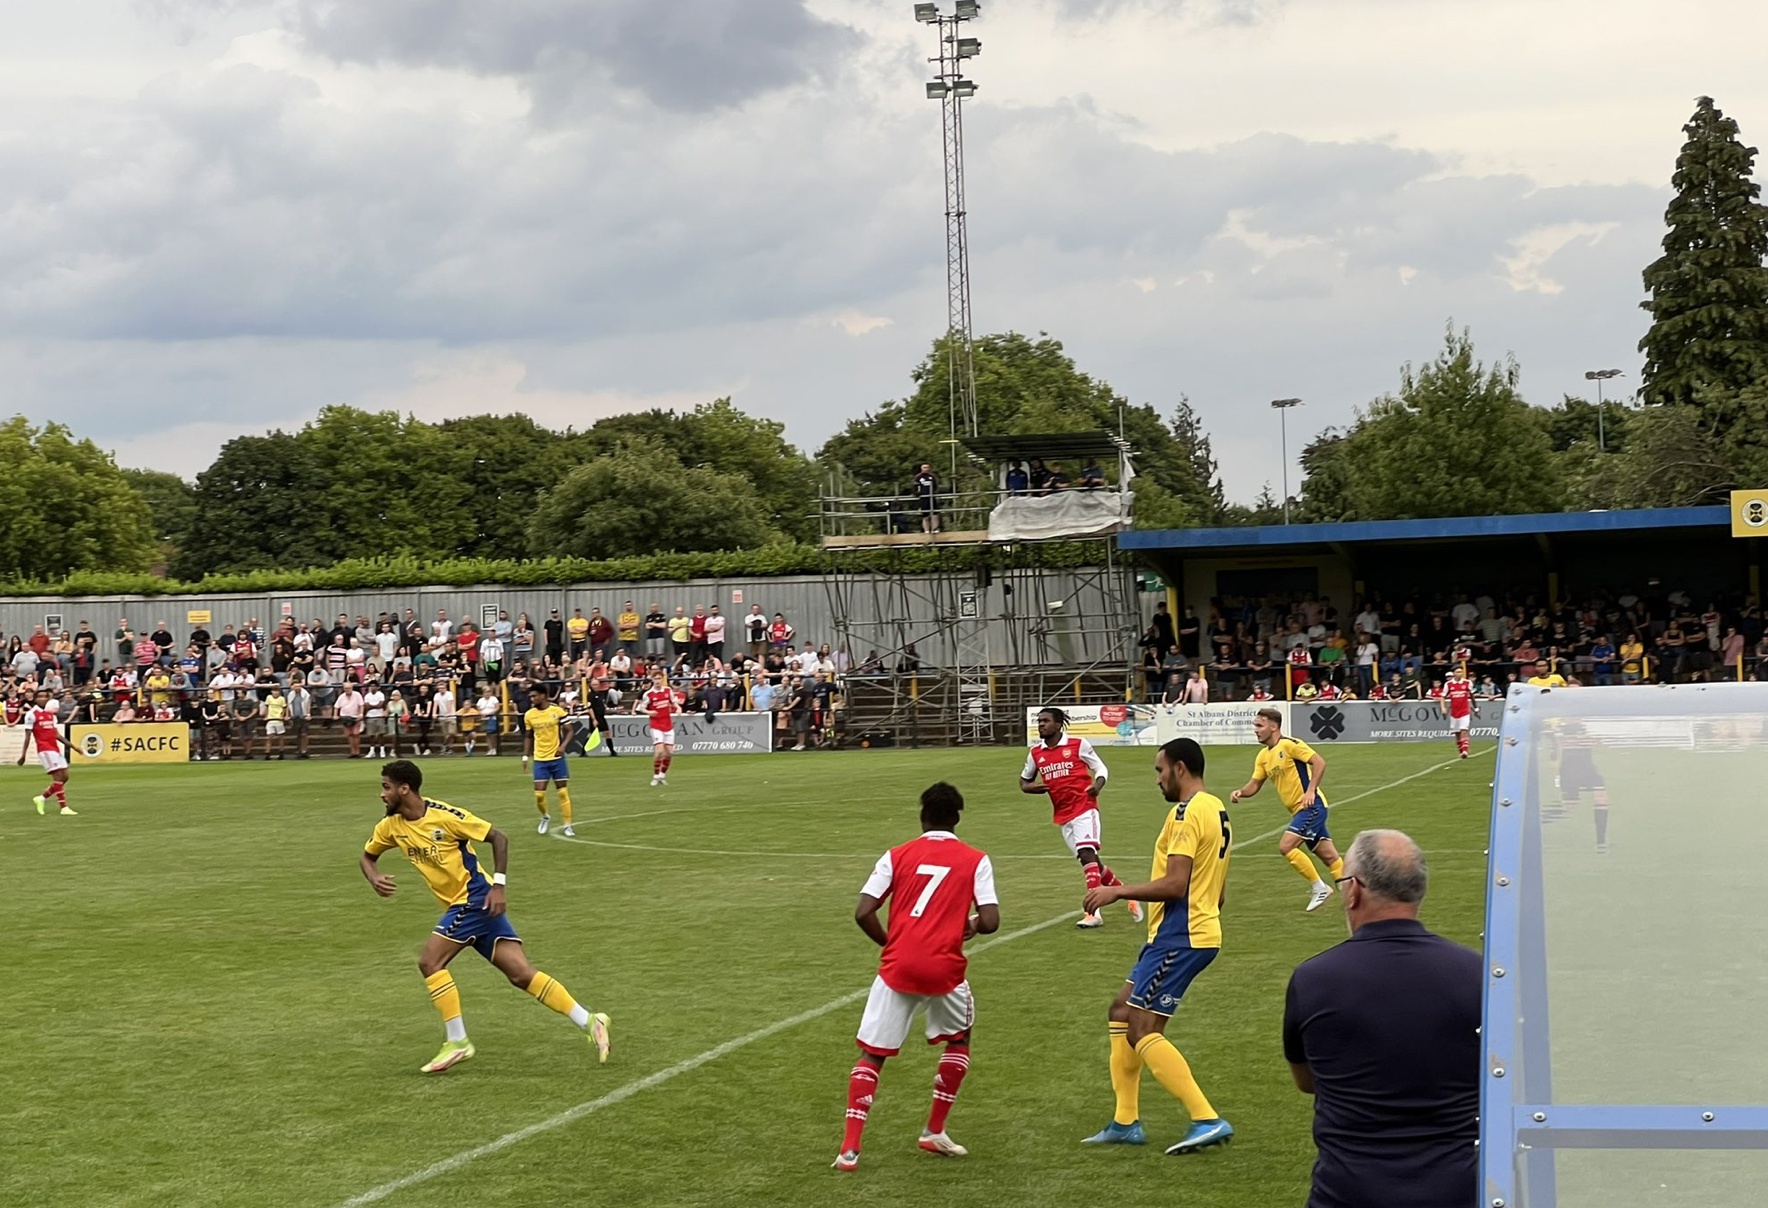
point(954, 619)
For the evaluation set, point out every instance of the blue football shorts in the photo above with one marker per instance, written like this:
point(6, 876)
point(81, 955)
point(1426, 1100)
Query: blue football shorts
point(469, 924)
point(1310, 824)
point(1163, 974)
point(551, 769)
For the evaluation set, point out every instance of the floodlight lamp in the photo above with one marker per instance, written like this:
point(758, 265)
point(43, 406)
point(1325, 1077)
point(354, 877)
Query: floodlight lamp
point(969, 10)
point(969, 48)
point(936, 90)
point(963, 88)
point(927, 14)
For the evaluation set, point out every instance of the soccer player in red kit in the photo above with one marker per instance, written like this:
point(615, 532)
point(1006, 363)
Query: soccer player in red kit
point(1071, 772)
point(1458, 704)
point(929, 883)
point(661, 702)
point(43, 733)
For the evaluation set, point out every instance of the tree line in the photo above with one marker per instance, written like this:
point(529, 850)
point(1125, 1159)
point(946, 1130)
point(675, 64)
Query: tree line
point(1455, 438)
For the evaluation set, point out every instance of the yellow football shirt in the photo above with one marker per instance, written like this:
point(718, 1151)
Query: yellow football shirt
point(1199, 829)
point(578, 628)
point(440, 846)
point(1287, 766)
point(629, 626)
point(544, 725)
point(276, 708)
point(1547, 681)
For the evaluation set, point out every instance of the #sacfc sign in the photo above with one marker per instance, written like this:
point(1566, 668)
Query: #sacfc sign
point(136, 742)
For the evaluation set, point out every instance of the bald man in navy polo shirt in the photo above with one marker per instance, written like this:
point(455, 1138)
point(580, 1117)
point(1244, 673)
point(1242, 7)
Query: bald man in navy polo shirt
point(1383, 1031)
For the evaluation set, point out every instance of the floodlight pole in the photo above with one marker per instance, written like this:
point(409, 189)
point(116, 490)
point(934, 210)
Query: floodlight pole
point(1600, 376)
point(951, 88)
point(1282, 406)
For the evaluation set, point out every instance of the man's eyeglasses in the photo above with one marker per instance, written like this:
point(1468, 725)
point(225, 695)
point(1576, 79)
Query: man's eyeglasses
point(1339, 881)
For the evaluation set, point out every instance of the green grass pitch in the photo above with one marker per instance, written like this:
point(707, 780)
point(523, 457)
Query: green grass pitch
point(205, 1004)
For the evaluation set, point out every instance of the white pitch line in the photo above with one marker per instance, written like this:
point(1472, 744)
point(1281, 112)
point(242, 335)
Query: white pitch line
point(465, 1156)
point(688, 1065)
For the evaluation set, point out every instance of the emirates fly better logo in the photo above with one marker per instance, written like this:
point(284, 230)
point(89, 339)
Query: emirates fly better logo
point(1326, 722)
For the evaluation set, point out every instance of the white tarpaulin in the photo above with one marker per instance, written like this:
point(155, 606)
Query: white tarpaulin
point(1063, 514)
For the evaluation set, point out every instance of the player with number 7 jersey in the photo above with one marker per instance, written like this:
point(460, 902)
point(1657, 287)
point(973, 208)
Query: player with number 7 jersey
point(930, 883)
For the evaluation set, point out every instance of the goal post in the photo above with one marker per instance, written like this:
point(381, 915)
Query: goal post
point(1626, 949)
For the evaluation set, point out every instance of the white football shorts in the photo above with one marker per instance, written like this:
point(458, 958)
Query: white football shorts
point(52, 761)
point(1460, 722)
point(661, 738)
point(1082, 832)
point(888, 1014)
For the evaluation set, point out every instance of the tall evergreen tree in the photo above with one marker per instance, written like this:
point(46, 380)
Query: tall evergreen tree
point(1709, 290)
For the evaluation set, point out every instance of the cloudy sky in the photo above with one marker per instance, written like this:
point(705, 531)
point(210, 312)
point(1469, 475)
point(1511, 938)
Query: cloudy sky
point(219, 215)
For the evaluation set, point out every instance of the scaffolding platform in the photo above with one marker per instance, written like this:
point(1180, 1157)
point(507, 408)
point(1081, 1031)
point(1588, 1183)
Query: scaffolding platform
point(1009, 609)
point(904, 540)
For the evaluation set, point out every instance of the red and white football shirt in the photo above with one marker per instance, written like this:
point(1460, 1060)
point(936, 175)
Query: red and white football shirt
point(661, 704)
point(1459, 697)
point(929, 883)
point(1067, 770)
point(45, 729)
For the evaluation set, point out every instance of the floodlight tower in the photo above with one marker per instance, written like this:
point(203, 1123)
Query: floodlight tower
point(951, 89)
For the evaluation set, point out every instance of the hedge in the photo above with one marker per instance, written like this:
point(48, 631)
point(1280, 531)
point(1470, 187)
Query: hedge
point(358, 574)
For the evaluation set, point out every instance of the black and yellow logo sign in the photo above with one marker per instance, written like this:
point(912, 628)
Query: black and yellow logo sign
point(1749, 513)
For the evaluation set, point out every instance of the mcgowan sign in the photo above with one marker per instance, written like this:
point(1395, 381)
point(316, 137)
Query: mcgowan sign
point(1383, 721)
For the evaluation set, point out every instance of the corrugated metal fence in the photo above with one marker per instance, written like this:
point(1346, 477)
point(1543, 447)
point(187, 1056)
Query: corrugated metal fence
point(803, 600)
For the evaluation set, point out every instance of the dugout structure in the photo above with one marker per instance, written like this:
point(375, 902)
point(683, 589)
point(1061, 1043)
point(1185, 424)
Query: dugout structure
point(1010, 600)
point(1625, 987)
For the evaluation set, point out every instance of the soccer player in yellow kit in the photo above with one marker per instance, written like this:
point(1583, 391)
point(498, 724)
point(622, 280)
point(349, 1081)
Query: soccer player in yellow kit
point(549, 731)
point(1297, 769)
point(1188, 885)
point(438, 839)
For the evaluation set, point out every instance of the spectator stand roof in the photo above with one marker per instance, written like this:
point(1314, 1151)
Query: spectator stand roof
point(1580, 552)
point(1050, 446)
point(1298, 538)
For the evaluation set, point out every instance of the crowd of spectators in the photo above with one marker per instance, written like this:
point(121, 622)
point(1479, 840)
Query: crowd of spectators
point(1271, 647)
point(400, 682)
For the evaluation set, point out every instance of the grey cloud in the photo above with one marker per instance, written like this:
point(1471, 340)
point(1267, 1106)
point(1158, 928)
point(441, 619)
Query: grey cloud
point(684, 55)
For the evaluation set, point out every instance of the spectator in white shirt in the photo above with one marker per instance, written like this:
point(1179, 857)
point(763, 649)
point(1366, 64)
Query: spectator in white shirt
point(1368, 655)
point(386, 645)
point(807, 661)
point(374, 712)
point(441, 629)
point(489, 708)
point(444, 700)
point(491, 658)
point(1369, 621)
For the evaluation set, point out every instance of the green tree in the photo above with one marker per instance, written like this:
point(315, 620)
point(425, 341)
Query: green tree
point(504, 462)
point(1709, 290)
point(1670, 460)
point(388, 485)
point(1026, 387)
point(171, 504)
point(1326, 485)
point(719, 436)
point(1573, 422)
point(259, 506)
point(67, 506)
point(1456, 440)
point(640, 499)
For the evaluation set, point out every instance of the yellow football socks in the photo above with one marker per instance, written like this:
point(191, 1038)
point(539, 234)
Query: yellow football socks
point(1170, 1067)
point(1126, 1075)
point(540, 800)
point(444, 994)
point(552, 995)
point(1303, 865)
point(1338, 868)
point(565, 804)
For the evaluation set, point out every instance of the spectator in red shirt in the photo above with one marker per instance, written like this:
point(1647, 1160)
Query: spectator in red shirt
point(697, 636)
point(39, 642)
point(601, 630)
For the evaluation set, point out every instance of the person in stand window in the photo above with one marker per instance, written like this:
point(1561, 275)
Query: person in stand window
point(1058, 480)
point(1018, 482)
point(926, 491)
point(1092, 477)
point(1040, 477)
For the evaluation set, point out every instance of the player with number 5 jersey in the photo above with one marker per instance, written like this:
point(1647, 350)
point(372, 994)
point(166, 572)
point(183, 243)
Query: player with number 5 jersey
point(1184, 893)
point(930, 884)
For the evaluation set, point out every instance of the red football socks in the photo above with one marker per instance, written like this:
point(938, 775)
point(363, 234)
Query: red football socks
point(1461, 741)
point(1094, 877)
point(953, 1065)
point(1107, 877)
point(862, 1084)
